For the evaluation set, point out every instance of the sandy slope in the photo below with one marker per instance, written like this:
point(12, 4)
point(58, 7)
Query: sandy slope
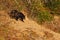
point(30, 29)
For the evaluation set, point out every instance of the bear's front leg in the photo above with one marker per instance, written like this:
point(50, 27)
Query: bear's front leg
point(16, 18)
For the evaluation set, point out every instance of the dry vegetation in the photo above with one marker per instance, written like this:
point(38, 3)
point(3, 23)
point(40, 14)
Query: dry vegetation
point(36, 12)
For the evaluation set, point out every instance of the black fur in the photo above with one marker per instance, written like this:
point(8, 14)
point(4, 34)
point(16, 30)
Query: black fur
point(17, 15)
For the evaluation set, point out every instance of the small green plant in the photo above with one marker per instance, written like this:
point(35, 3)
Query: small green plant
point(44, 17)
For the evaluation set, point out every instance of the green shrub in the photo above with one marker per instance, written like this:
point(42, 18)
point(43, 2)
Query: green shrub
point(36, 10)
point(44, 17)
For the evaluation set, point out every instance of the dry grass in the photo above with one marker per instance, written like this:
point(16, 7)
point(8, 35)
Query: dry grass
point(11, 29)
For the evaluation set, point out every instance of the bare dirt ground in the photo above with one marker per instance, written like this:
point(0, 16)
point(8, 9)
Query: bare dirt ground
point(10, 29)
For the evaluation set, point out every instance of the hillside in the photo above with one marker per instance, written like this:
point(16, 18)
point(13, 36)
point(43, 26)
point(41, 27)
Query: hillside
point(11, 29)
point(42, 21)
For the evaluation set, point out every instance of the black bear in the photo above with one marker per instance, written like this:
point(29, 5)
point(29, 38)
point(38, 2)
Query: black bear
point(17, 15)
